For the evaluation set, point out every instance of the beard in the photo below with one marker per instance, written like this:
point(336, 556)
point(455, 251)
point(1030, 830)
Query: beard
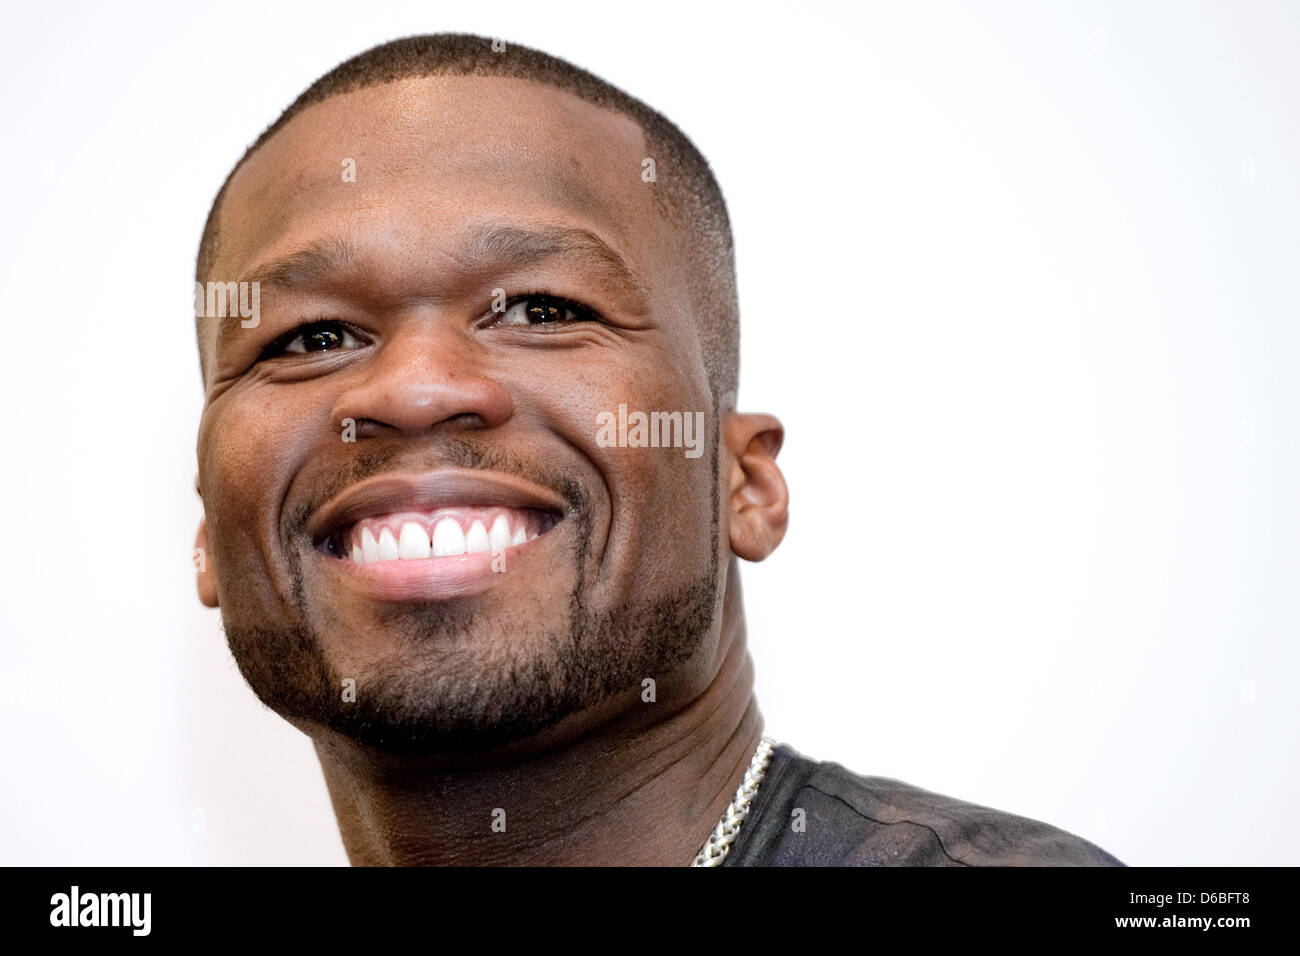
point(447, 692)
point(424, 707)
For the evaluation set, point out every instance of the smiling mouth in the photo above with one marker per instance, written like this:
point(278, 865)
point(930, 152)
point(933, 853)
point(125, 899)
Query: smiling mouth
point(445, 532)
point(439, 535)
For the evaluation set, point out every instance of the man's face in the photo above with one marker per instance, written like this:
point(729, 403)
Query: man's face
point(562, 572)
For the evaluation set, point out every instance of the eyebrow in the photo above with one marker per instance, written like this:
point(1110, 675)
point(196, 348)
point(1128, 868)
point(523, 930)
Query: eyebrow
point(306, 266)
point(488, 247)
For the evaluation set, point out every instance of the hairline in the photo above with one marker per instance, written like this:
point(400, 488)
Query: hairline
point(700, 231)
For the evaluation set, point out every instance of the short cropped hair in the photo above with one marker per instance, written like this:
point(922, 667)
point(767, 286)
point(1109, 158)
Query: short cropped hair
point(685, 187)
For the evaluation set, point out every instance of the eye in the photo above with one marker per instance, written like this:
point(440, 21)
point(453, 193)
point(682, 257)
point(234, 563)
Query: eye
point(324, 336)
point(540, 308)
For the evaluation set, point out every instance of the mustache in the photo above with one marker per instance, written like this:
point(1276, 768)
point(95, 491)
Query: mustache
point(457, 452)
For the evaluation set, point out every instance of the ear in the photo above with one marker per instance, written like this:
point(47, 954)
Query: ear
point(207, 574)
point(758, 500)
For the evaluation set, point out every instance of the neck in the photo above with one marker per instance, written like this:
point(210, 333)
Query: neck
point(622, 794)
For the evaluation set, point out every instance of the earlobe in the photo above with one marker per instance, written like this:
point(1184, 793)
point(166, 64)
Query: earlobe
point(759, 501)
point(207, 575)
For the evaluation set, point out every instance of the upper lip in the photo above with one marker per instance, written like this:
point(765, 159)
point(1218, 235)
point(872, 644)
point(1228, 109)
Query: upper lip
point(425, 491)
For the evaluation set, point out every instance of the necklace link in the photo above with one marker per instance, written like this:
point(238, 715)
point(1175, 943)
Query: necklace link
point(724, 834)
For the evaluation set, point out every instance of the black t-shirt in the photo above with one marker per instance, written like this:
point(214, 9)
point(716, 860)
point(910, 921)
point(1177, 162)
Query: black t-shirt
point(813, 813)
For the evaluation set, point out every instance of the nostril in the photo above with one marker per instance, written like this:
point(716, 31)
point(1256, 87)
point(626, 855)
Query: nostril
point(354, 429)
point(468, 420)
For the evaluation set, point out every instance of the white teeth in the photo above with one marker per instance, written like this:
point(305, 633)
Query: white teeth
point(387, 546)
point(414, 542)
point(500, 537)
point(477, 539)
point(448, 538)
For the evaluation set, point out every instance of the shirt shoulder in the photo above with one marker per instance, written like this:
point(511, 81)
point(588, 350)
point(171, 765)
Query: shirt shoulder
point(818, 813)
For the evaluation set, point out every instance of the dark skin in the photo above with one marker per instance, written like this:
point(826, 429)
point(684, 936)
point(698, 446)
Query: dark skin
point(435, 382)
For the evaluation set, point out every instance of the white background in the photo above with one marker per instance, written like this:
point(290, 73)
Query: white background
point(1021, 281)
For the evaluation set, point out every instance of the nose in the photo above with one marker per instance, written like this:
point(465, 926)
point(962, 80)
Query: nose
point(425, 374)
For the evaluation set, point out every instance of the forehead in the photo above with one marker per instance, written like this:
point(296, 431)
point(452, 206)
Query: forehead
point(432, 155)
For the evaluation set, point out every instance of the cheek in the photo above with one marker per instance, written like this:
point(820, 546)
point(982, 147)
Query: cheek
point(662, 522)
point(249, 452)
point(256, 443)
point(654, 453)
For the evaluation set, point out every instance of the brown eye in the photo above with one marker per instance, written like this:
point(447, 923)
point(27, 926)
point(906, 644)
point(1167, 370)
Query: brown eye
point(543, 309)
point(318, 337)
point(322, 340)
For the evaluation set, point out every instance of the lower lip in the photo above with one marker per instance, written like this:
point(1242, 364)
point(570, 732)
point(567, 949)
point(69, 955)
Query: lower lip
point(436, 579)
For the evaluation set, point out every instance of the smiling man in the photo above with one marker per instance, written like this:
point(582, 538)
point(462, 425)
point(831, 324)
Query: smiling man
point(475, 486)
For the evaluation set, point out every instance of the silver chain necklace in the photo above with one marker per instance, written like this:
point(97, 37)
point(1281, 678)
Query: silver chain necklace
point(724, 834)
